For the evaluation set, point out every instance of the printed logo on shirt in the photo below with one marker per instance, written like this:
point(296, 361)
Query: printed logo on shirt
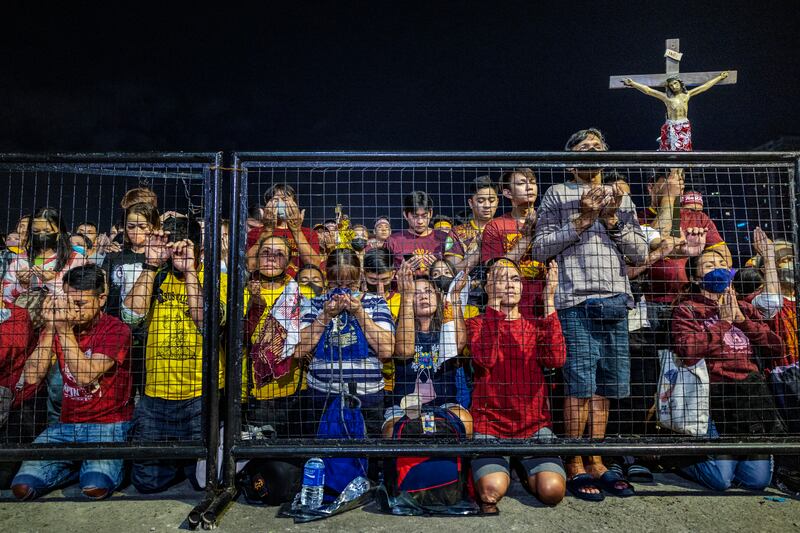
point(80, 394)
point(426, 359)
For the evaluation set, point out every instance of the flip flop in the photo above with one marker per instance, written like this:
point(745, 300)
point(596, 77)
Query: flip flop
point(608, 482)
point(617, 469)
point(639, 474)
point(581, 481)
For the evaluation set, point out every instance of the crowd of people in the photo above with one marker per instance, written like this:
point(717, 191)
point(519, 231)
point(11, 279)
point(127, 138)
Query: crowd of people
point(542, 322)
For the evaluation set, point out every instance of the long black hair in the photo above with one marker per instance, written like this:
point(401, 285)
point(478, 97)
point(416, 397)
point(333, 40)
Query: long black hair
point(63, 247)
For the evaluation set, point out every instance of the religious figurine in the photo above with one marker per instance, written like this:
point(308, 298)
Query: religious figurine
point(676, 133)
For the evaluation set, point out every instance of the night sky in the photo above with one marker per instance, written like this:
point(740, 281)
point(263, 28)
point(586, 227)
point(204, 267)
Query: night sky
point(386, 75)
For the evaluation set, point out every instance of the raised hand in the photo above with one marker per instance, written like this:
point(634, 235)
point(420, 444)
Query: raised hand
point(613, 199)
point(592, 202)
point(294, 216)
point(695, 241)
point(270, 217)
point(761, 243)
point(529, 226)
point(405, 278)
point(551, 283)
point(183, 255)
point(156, 251)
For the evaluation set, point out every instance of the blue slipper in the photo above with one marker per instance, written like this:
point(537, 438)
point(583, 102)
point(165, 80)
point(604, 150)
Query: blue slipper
point(608, 482)
point(639, 474)
point(582, 481)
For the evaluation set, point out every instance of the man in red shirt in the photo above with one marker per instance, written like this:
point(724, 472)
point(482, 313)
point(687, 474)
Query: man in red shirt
point(283, 218)
point(509, 352)
point(91, 349)
point(16, 343)
point(663, 276)
point(511, 234)
point(419, 244)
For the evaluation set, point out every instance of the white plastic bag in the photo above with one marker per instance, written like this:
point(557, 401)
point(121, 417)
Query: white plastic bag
point(682, 399)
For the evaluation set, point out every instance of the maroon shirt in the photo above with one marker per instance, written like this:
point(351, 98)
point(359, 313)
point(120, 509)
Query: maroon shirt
point(108, 398)
point(16, 343)
point(402, 243)
point(698, 333)
point(668, 276)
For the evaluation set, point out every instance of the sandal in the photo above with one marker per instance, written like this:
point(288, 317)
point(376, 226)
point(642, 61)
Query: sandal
point(639, 474)
point(609, 481)
point(584, 481)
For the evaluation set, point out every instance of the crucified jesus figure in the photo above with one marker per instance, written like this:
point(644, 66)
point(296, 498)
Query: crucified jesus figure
point(676, 133)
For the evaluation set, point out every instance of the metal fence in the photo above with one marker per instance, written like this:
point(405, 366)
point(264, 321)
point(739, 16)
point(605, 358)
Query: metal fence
point(85, 190)
point(738, 192)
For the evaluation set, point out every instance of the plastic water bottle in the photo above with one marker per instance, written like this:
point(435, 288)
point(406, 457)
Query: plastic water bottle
point(355, 489)
point(313, 483)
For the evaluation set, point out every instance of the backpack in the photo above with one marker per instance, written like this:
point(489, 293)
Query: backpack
point(270, 481)
point(428, 481)
point(342, 420)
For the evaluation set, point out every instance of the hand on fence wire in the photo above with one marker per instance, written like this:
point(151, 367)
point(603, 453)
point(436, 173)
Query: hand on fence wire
point(183, 255)
point(156, 251)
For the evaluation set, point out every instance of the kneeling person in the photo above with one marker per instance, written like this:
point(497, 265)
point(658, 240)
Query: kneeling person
point(509, 353)
point(92, 353)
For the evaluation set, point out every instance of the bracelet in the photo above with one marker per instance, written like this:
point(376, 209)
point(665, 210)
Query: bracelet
point(150, 268)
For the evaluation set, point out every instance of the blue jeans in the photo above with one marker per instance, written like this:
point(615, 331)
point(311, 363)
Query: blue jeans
point(159, 420)
point(598, 359)
point(723, 471)
point(43, 476)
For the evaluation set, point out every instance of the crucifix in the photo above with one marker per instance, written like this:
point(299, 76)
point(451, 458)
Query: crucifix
point(676, 133)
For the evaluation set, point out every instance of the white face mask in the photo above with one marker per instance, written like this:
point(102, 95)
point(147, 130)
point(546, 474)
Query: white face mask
point(223, 267)
point(5, 314)
point(768, 304)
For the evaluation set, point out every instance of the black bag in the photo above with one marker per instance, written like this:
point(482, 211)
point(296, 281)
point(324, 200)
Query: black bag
point(270, 481)
point(428, 481)
point(744, 407)
point(785, 385)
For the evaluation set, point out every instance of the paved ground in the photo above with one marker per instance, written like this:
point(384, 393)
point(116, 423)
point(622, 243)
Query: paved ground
point(670, 504)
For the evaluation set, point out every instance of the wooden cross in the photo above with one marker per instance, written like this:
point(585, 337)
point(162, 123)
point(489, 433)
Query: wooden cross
point(673, 56)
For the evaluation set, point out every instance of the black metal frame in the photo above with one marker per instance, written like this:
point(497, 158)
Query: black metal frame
point(210, 165)
point(234, 448)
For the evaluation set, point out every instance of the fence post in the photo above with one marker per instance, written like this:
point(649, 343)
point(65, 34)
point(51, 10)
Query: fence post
point(211, 321)
point(236, 283)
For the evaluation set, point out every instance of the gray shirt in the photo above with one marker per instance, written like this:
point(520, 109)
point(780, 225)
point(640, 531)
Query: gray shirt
point(591, 264)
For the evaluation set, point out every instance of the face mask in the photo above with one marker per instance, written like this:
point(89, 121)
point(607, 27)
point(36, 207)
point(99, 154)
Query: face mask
point(316, 289)
point(358, 244)
point(478, 296)
point(44, 241)
point(5, 314)
point(443, 282)
point(280, 209)
point(786, 275)
point(372, 288)
point(768, 304)
point(80, 249)
point(717, 280)
point(223, 267)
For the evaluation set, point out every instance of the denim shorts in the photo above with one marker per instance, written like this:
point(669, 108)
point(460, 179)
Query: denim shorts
point(483, 466)
point(43, 476)
point(598, 357)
